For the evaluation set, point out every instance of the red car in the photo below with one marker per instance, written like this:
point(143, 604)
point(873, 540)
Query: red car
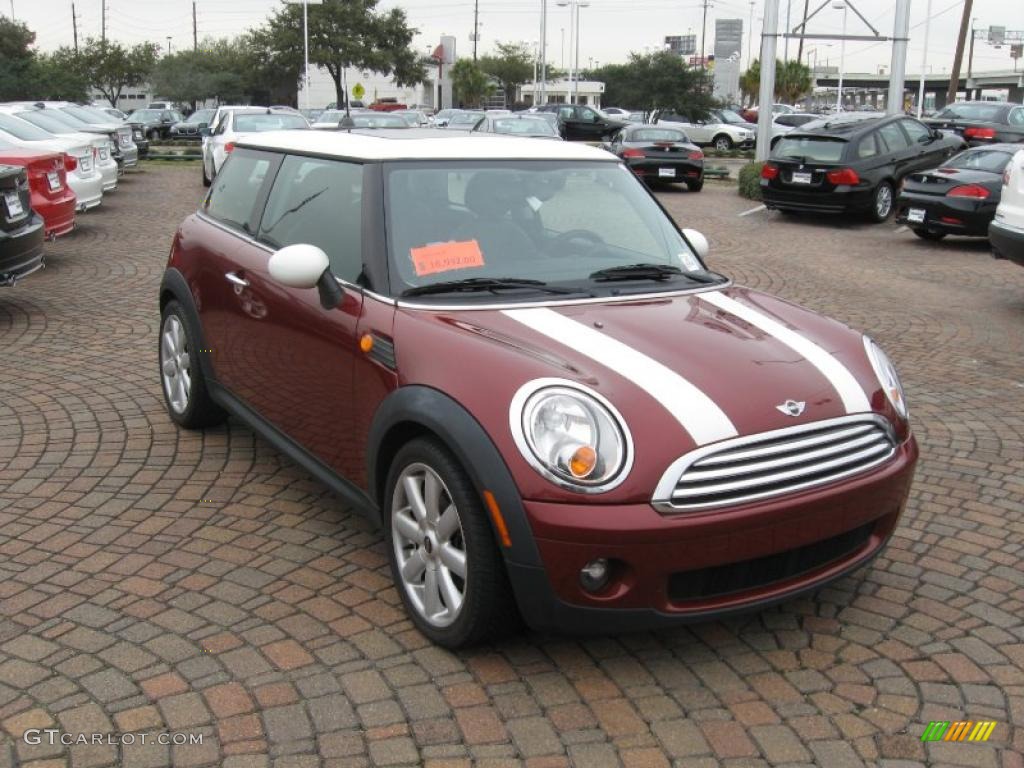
point(51, 196)
point(507, 354)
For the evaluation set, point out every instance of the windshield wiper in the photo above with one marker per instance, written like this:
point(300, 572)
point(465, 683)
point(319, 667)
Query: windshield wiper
point(484, 284)
point(651, 272)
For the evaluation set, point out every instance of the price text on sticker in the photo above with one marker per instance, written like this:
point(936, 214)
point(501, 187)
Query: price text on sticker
point(446, 257)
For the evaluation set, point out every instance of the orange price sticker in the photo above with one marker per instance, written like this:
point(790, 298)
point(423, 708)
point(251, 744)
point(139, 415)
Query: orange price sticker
point(446, 257)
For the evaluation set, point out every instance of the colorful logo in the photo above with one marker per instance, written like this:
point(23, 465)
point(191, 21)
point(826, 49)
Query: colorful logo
point(939, 730)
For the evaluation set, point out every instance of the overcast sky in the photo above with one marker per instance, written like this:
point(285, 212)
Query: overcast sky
point(610, 29)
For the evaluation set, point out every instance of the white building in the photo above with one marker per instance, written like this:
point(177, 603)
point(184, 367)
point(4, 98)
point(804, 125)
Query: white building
point(559, 91)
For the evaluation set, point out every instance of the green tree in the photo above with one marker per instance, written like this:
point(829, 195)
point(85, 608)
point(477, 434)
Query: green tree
point(660, 80)
point(57, 76)
point(16, 60)
point(470, 83)
point(185, 77)
point(511, 65)
point(750, 82)
point(344, 34)
point(110, 67)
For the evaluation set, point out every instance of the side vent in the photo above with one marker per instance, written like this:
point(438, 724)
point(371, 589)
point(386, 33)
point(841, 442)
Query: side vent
point(383, 351)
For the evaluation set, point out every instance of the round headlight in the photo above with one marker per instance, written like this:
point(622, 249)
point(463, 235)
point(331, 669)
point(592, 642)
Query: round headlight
point(571, 435)
point(885, 371)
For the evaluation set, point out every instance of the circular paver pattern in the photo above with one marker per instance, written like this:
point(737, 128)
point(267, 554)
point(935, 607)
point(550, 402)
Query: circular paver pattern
point(154, 580)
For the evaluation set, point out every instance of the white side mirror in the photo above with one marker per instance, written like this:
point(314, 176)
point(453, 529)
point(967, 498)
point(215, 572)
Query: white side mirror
point(698, 241)
point(298, 266)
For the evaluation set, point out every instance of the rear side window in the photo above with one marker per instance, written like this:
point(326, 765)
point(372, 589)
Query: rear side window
point(991, 160)
point(893, 138)
point(867, 147)
point(1016, 116)
point(816, 149)
point(237, 188)
point(20, 129)
point(318, 202)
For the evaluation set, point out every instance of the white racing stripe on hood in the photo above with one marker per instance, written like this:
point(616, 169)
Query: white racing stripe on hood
point(696, 412)
point(844, 383)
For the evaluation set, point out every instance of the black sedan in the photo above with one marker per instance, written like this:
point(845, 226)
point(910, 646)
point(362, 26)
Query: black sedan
point(851, 163)
point(530, 126)
point(982, 122)
point(192, 126)
point(21, 228)
point(957, 198)
point(657, 154)
point(154, 123)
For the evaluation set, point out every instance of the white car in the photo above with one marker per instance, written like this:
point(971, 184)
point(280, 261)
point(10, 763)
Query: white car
point(102, 151)
point(723, 129)
point(83, 176)
point(234, 123)
point(1006, 232)
point(615, 111)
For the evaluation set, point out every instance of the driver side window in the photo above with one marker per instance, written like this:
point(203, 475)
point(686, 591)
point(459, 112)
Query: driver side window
point(588, 115)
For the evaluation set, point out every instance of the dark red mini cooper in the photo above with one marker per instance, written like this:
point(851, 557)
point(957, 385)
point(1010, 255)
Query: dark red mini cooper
point(508, 355)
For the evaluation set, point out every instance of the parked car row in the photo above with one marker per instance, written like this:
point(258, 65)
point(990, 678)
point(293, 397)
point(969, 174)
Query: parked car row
point(69, 157)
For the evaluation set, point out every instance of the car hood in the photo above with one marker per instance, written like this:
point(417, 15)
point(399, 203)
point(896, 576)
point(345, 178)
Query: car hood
point(685, 370)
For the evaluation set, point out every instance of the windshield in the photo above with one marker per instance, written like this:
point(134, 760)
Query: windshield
point(201, 116)
point(465, 118)
point(991, 160)
point(981, 112)
point(655, 134)
point(145, 115)
point(52, 121)
point(728, 116)
point(379, 121)
point(264, 122)
point(523, 125)
point(19, 129)
point(819, 149)
point(554, 221)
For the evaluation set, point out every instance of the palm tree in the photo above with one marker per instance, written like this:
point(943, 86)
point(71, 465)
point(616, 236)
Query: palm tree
point(750, 82)
point(470, 83)
point(792, 80)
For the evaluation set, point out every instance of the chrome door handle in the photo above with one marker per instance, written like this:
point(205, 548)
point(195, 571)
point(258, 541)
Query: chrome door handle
point(236, 280)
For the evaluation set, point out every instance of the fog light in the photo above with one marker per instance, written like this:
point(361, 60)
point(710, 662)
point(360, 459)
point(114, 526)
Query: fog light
point(594, 575)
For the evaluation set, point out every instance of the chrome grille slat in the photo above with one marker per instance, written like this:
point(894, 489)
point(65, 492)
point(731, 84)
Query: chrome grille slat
point(775, 463)
point(728, 457)
point(700, 474)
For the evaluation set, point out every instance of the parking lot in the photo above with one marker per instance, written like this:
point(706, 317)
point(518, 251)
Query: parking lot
point(154, 580)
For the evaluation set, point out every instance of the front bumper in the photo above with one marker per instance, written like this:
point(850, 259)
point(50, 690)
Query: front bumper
point(841, 199)
point(949, 215)
point(682, 568)
point(21, 251)
point(1007, 242)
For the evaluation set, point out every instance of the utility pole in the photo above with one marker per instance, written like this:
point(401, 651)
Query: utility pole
point(195, 34)
point(476, 25)
point(958, 57)
point(169, 45)
point(704, 31)
point(103, 21)
point(766, 95)
point(74, 26)
point(785, 54)
point(924, 60)
point(803, 31)
point(970, 60)
point(543, 56)
point(898, 58)
point(750, 36)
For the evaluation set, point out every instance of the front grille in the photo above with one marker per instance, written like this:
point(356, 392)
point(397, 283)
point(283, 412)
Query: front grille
point(775, 463)
point(745, 575)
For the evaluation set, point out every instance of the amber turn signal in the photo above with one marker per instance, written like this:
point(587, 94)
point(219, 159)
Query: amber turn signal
point(583, 461)
point(366, 342)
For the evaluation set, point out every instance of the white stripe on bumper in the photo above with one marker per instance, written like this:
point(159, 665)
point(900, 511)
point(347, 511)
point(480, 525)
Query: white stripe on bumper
point(844, 383)
point(696, 412)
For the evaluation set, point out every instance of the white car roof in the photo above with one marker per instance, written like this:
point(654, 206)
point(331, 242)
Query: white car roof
point(427, 144)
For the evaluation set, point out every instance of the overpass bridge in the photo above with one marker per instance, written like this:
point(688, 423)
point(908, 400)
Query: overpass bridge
point(860, 89)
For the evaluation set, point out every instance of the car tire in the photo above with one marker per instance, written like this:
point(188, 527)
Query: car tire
point(207, 181)
point(695, 186)
point(882, 202)
point(451, 610)
point(722, 143)
point(924, 234)
point(186, 395)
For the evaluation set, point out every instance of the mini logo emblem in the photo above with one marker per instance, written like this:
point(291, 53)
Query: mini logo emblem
point(792, 407)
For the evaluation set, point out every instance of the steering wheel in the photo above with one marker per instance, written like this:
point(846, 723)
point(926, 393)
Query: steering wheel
point(564, 244)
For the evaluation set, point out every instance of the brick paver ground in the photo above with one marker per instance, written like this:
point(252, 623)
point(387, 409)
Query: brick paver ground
point(157, 580)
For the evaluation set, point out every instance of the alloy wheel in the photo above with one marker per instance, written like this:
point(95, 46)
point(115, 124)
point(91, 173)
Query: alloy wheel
point(175, 364)
point(883, 201)
point(723, 144)
point(429, 545)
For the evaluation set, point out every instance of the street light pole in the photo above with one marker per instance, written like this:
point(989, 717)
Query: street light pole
point(842, 55)
point(305, 43)
point(924, 59)
point(543, 55)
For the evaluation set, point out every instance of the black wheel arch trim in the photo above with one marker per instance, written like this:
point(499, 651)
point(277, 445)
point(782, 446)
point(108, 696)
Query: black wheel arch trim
point(435, 411)
point(173, 284)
